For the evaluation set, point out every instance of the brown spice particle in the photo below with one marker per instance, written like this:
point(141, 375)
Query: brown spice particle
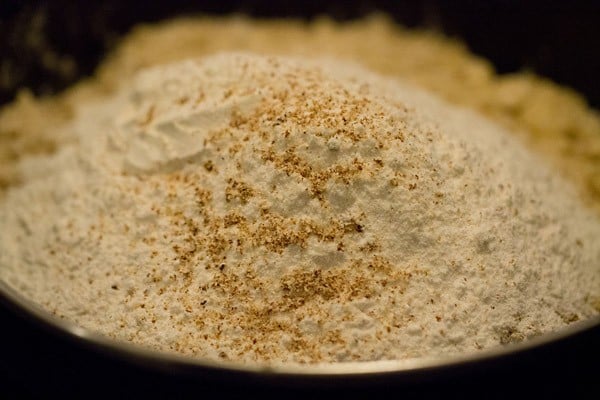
point(209, 166)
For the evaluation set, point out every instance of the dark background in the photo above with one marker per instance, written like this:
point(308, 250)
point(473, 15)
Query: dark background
point(557, 39)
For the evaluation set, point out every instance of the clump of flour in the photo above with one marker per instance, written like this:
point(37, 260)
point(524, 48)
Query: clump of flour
point(265, 209)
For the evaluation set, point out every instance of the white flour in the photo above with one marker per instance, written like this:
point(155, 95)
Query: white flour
point(285, 210)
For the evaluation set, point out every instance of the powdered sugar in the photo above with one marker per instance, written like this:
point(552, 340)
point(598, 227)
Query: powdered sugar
point(285, 210)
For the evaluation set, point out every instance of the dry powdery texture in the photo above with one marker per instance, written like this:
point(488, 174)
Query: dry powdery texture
point(270, 209)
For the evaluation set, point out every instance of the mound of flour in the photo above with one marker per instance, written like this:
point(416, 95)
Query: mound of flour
point(284, 210)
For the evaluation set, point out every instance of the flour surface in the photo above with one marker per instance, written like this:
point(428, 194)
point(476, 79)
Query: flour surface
point(270, 209)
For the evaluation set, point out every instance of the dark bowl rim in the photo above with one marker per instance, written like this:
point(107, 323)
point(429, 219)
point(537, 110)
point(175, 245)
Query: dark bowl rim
point(172, 362)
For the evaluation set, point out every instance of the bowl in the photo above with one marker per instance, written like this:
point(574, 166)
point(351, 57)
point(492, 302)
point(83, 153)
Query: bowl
point(43, 355)
point(530, 358)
